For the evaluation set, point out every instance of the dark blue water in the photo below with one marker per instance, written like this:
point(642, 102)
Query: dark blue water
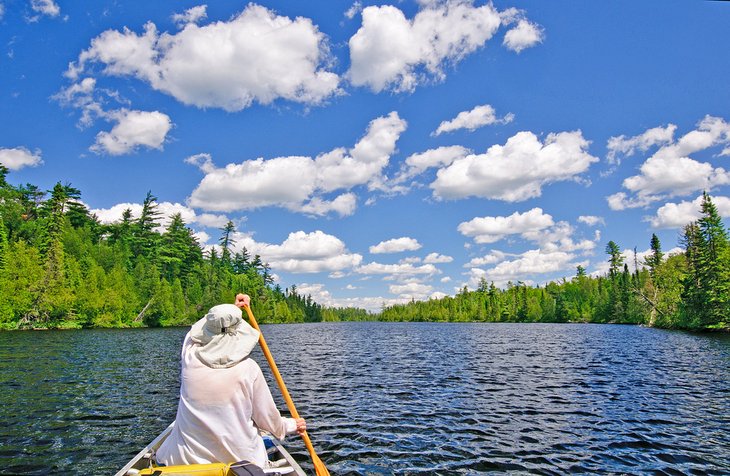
point(394, 398)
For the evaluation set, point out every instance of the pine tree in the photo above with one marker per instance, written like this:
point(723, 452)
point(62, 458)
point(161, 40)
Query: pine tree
point(655, 258)
point(226, 241)
point(145, 238)
point(714, 273)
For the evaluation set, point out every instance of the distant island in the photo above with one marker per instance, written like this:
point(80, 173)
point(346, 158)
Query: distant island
point(60, 267)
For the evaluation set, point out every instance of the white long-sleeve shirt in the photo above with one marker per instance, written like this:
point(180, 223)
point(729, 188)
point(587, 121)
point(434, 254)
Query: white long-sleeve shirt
point(219, 413)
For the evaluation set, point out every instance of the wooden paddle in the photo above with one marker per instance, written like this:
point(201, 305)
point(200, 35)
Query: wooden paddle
point(319, 466)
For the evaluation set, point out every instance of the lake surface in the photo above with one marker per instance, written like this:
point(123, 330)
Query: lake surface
point(394, 398)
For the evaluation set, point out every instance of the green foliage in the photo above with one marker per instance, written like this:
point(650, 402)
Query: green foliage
point(61, 268)
point(690, 290)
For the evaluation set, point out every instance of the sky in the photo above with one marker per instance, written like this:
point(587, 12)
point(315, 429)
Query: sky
point(378, 152)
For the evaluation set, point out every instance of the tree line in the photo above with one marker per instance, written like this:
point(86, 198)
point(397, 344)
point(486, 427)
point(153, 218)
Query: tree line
point(688, 290)
point(60, 267)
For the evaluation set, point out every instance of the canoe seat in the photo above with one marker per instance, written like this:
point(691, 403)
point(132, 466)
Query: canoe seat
point(213, 469)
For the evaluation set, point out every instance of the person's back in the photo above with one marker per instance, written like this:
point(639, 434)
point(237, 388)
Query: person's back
point(224, 398)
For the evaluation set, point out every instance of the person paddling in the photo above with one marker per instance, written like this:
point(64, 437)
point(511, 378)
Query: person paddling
point(224, 398)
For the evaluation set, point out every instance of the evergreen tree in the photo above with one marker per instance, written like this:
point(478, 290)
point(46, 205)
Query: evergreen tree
point(226, 241)
point(144, 242)
point(655, 258)
point(714, 267)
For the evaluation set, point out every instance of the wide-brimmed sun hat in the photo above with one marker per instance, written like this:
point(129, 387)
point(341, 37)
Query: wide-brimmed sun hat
point(223, 337)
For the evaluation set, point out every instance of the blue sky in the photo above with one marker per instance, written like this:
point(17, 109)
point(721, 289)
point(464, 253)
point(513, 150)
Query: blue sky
point(376, 152)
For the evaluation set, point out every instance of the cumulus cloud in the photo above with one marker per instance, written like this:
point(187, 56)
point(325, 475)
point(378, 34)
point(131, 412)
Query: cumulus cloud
point(19, 157)
point(524, 35)
point(132, 130)
point(416, 164)
point(517, 170)
point(436, 258)
point(626, 146)
point(397, 270)
point(591, 220)
point(298, 183)
point(256, 56)
point(390, 51)
point(528, 264)
point(561, 237)
point(167, 210)
point(191, 15)
point(671, 172)
point(303, 252)
point(493, 229)
point(343, 205)
point(677, 215)
point(472, 120)
point(602, 268)
point(411, 290)
point(396, 245)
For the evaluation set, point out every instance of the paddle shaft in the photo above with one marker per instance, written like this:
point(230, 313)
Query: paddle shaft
point(280, 381)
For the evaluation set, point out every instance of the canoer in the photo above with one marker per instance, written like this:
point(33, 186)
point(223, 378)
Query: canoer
point(143, 462)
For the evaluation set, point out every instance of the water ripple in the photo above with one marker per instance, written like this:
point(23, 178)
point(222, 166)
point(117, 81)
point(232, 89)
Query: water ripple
point(395, 399)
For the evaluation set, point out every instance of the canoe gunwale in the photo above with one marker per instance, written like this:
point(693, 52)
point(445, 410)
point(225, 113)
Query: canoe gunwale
point(146, 453)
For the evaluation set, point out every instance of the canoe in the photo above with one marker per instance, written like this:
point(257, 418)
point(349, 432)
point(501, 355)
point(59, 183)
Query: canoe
point(142, 462)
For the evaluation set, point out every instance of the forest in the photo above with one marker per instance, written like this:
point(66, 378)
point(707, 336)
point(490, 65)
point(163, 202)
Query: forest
point(688, 290)
point(60, 267)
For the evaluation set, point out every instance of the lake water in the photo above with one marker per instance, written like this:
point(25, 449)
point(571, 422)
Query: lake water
point(394, 398)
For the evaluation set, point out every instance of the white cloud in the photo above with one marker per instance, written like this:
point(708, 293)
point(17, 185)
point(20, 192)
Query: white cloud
point(401, 269)
point(670, 172)
point(494, 257)
point(493, 229)
point(396, 245)
point(19, 157)
point(343, 205)
point(677, 215)
point(525, 35)
point(45, 7)
point(591, 220)
point(191, 15)
point(561, 238)
point(439, 157)
point(80, 95)
point(527, 264)
point(627, 146)
point(283, 181)
point(517, 170)
point(2, 11)
point(411, 290)
point(471, 120)
point(255, 56)
point(416, 164)
point(133, 129)
point(391, 51)
point(298, 183)
point(211, 221)
point(353, 10)
point(601, 268)
point(437, 295)
point(167, 210)
point(365, 162)
point(436, 258)
point(303, 252)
